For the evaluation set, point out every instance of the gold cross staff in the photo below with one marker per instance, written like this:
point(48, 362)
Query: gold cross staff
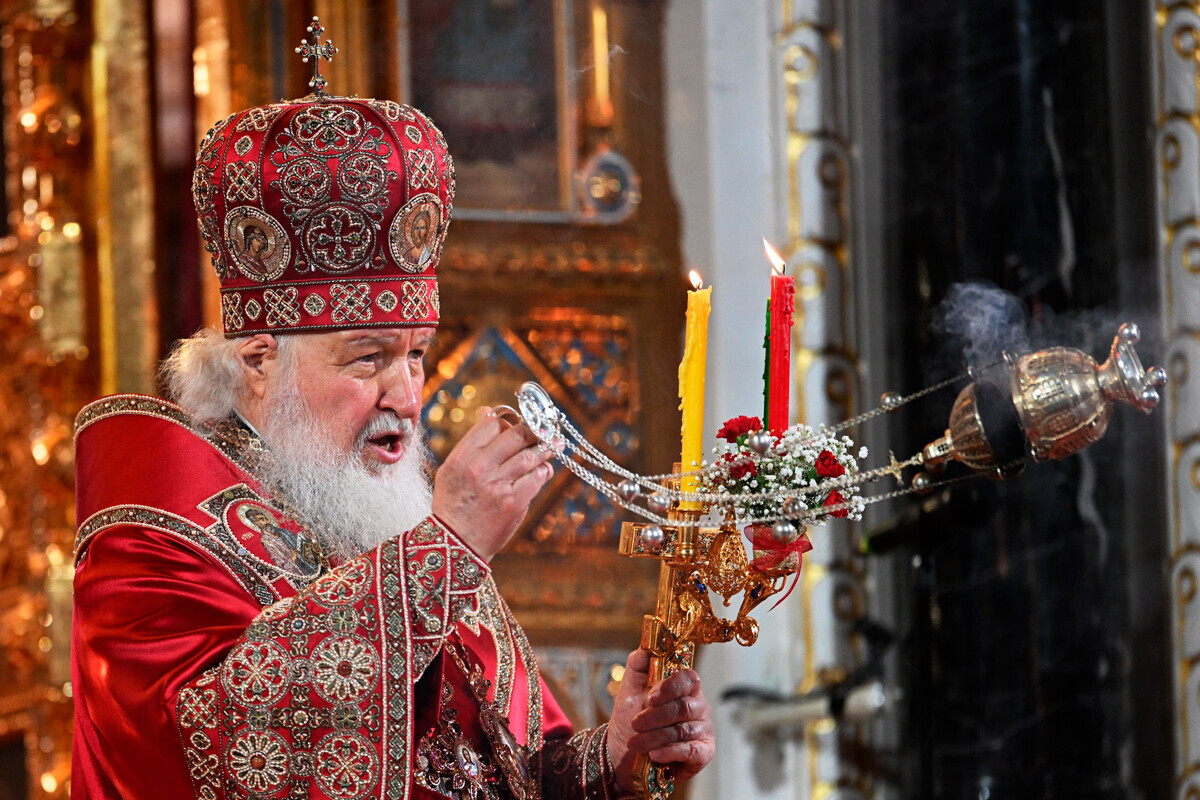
point(694, 561)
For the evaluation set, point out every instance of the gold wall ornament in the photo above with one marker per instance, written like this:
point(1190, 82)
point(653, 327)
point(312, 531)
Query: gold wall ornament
point(811, 53)
point(1176, 31)
point(48, 370)
point(124, 197)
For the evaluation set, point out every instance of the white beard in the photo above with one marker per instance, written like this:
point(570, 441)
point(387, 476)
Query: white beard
point(349, 507)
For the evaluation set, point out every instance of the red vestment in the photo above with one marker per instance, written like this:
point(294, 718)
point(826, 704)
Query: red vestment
point(214, 656)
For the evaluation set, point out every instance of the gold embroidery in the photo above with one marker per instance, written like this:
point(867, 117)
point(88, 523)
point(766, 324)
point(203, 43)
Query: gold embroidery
point(217, 542)
point(578, 767)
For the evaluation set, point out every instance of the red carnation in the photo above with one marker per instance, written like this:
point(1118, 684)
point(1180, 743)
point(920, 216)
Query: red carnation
point(829, 467)
point(836, 499)
point(743, 468)
point(739, 426)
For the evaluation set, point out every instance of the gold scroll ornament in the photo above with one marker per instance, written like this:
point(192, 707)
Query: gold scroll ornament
point(695, 561)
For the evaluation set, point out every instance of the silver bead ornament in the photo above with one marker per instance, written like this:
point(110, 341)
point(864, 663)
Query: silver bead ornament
point(658, 502)
point(891, 401)
point(1130, 332)
point(794, 507)
point(784, 532)
point(652, 537)
point(628, 490)
point(759, 442)
point(1149, 397)
point(922, 482)
point(1156, 377)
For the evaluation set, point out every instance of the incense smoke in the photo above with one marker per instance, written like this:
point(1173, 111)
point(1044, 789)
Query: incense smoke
point(980, 321)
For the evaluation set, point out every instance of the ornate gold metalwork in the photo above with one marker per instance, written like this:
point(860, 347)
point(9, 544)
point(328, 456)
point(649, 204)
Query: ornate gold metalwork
point(124, 198)
point(316, 51)
point(694, 560)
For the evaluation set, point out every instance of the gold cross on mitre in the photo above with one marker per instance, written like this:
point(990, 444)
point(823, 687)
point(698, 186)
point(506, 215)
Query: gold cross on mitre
point(316, 51)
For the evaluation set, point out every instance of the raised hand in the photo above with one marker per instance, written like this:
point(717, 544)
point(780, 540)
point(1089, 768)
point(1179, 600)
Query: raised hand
point(484, 488)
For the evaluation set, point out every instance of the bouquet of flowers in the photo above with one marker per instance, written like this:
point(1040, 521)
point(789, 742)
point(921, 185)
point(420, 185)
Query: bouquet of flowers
point(784, 475)
point(797, 477)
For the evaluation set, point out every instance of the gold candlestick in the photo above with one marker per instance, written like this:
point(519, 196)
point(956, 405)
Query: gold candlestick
point(694, 561)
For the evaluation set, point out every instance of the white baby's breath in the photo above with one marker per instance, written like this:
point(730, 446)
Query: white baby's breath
point(788, 466)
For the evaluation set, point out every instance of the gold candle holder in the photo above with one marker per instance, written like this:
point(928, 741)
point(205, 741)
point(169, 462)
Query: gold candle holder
point(694, 562)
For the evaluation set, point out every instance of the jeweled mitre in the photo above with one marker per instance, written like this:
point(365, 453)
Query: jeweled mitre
point(325, 213)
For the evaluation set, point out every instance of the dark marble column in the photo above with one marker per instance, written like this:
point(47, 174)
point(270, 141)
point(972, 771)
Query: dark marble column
point(1019, 151)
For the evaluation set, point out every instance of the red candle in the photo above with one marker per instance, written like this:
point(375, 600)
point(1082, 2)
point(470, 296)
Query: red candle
point(783, 306)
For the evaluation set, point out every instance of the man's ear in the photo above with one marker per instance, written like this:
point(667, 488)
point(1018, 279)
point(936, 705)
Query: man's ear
point(257, 355)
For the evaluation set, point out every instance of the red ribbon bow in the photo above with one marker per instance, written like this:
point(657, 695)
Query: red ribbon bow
point(775, 552)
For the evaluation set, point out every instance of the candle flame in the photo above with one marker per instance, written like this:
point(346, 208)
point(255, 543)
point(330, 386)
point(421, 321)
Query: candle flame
point(697, 281)
point(778, 265)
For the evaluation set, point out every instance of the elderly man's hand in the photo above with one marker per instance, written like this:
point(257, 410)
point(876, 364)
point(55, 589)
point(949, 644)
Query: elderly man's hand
point(671, 722)
point(484, 488)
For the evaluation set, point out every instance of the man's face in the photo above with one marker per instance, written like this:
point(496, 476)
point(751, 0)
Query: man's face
point(421, 229)
point(353, 379)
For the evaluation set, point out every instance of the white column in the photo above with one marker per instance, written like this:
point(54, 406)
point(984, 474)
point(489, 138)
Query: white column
point(721, 145)
point(761, 129)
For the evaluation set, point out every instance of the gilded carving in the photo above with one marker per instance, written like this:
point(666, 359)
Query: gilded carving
point(817, 160)
point(1177, 41)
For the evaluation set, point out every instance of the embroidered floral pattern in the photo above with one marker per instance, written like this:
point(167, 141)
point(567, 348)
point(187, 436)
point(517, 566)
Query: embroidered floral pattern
point(348, 584)
point(258, 761)
point(346, 765)
point(339, 725)
point(344, 669)
point(256, 673)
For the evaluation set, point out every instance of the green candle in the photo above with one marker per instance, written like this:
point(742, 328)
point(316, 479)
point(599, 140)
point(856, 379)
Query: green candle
point(767, 365)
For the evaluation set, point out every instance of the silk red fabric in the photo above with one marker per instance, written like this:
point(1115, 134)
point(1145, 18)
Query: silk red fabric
point(169, 579)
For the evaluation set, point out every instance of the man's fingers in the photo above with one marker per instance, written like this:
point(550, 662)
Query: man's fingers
point(491, 423)
point(521, 463)
point(637, 669)
point(694, 754)
point(682, 683)
point(528, 485)
point(649, 740)
point(679, 710)
point(678, 734)
point(510, 441)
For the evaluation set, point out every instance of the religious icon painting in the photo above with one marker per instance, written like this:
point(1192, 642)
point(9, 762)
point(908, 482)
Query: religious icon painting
point(257, 242)
point(289, 551)
point(416, 233)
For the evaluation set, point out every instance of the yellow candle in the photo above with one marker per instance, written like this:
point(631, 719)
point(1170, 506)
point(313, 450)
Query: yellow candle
point(691, 384)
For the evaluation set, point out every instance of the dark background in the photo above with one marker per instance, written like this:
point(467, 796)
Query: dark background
point(1035, 652)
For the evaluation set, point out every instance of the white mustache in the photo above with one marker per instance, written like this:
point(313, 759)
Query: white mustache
point(385, 423)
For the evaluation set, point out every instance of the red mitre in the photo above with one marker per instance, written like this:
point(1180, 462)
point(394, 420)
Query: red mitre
point(325, 213)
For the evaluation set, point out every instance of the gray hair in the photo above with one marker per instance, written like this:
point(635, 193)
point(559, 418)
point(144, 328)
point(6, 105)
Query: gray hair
point(203, 374)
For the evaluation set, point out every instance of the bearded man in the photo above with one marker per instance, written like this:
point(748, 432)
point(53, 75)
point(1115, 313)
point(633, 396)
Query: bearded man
point(272, 598)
